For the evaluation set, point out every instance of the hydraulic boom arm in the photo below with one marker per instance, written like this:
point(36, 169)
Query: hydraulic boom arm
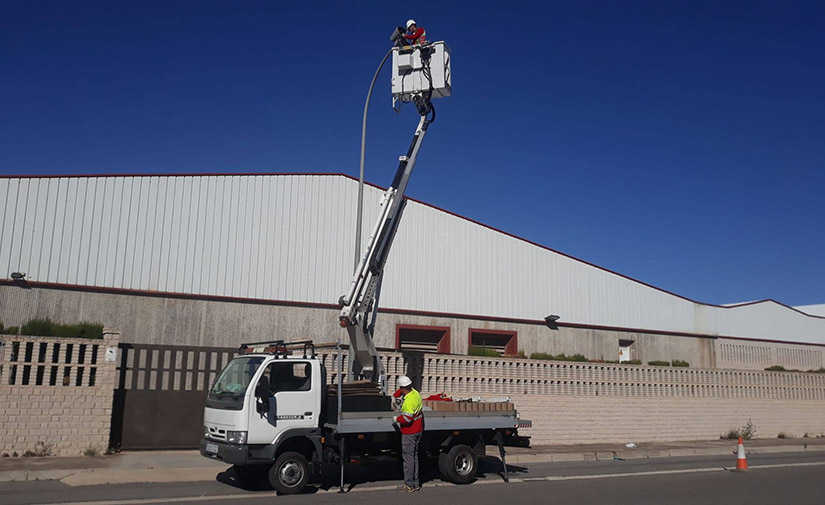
point(360, 304)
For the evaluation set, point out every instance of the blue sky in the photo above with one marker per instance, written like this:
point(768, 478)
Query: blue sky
point(679, 143)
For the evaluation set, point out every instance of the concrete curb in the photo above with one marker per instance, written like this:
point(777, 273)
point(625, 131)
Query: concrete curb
point(662, 453)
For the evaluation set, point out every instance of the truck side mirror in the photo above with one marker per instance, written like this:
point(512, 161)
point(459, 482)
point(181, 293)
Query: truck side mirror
point(262, 396)
point(262, 389)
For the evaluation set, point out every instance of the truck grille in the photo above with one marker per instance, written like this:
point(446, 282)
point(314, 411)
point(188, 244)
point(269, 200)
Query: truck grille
point(216, 433)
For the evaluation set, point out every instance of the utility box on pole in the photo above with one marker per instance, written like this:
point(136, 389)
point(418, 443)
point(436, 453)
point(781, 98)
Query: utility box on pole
point(417, 70)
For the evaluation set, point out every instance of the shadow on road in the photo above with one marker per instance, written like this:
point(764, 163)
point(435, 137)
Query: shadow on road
point(370, 471)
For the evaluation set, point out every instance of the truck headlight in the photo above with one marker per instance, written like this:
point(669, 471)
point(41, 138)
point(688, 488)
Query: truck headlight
point(236, 437)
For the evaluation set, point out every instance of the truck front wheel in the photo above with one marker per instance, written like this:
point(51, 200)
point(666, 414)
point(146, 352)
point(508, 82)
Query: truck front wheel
point(459, 464)
point(290, 473)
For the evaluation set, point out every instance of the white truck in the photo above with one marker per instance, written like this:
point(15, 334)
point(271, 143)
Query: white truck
point(270, 412)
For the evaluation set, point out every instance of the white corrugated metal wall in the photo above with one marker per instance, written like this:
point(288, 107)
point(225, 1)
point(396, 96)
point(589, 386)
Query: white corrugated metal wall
point(289, 237)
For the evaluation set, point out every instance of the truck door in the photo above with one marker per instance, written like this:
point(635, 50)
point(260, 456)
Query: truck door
point(287, 397)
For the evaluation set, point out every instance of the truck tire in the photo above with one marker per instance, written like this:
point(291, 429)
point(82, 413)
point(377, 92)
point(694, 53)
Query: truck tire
point(290, 473)
point(459, 465)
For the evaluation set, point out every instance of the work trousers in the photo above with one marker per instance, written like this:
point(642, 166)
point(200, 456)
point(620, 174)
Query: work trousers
point(409, 450)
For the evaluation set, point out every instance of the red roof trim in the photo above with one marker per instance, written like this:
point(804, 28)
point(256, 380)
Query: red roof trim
point(339, 174)
point(314, 305)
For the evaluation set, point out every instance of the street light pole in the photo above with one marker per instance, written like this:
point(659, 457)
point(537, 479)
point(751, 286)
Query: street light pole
point(361, 173)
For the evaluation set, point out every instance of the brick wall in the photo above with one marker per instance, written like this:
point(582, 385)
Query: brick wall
point(572, 402)
point(571, 419)
point(56, 393)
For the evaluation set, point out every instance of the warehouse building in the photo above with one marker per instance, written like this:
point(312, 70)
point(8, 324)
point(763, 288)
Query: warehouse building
point(211, 260)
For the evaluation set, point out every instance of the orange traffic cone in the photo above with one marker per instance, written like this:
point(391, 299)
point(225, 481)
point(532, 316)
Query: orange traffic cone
point(741, 462)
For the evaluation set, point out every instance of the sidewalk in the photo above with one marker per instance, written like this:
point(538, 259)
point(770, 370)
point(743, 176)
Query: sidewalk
point(190, 466)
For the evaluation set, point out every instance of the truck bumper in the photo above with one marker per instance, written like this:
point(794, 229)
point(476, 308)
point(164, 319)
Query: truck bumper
point(231, 453)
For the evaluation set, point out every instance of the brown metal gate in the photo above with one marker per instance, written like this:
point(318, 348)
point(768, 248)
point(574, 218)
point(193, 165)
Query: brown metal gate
point(161, 393)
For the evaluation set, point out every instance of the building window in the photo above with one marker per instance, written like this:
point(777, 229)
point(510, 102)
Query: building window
point(409, 337)
point(627, 351)
point(502, 341)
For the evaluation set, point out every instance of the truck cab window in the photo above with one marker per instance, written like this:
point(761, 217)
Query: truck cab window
point(286, 376)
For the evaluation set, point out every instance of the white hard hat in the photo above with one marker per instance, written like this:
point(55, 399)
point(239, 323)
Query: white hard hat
point(410, 22)
point(404, 381)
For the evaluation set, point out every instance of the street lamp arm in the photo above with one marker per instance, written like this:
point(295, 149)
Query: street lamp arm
point(361, 172)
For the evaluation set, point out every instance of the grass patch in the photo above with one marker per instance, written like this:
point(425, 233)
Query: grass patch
point(776, 368)
point(658, 363)
point(818, 370)
point(47, 328)
point(474, 350)
point(680, 363)
point(782, 434)
point(91, 451)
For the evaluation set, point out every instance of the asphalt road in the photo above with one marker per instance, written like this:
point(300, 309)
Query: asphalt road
point(775, 479)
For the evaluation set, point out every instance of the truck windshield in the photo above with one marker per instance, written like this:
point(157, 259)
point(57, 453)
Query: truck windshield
point(229, 389)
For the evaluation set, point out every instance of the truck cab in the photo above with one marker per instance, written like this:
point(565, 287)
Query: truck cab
point(262, 405)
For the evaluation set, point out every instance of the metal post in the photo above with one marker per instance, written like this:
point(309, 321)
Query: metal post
point(343, 451)
point(340, 379)
point(502, 453)
point(361, 173)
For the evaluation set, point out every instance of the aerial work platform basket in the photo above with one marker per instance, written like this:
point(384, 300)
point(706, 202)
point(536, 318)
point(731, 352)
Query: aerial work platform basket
point(421, 70)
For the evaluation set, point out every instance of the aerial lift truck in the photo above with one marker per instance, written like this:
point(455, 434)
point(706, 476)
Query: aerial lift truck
point(271, 413)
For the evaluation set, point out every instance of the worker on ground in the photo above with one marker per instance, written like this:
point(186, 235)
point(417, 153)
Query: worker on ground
point(411, 423)
point(415, 34)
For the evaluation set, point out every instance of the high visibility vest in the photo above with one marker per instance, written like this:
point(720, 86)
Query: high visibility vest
point(421, 39)
point(412, 416)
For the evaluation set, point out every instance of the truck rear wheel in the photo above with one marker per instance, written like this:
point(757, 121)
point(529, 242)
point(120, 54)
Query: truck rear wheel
point(459, 464)
point(290, 473)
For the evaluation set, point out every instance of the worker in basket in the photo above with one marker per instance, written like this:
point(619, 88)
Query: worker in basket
point(411, 424)
point(416, 36)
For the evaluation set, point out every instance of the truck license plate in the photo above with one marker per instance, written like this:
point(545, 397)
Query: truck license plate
point(213, 448)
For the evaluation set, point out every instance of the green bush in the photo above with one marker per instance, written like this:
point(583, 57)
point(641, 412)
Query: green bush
point(818, 370)
point(474, 350)
point(559, 357)
point(732, 434)
point(678, 362)
point(47, 328)
point(748, 431)
point(633, 362)
point(41, 450)
point(776, 368)
point(658, 363)
point(11, 330)
point(521, 354)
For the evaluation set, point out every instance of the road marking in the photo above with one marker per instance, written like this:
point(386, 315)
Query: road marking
point(552, 478)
